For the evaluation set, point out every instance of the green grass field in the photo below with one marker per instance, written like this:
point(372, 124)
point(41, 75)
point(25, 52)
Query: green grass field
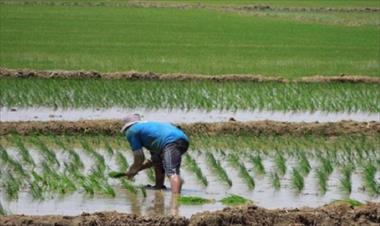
point(192, 41)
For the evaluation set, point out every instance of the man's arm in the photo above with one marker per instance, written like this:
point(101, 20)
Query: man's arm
point(138, 160)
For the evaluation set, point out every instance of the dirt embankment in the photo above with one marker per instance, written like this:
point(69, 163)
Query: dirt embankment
point(133, 75)
point(342, 214)
point(197, 5)
point(111, 127)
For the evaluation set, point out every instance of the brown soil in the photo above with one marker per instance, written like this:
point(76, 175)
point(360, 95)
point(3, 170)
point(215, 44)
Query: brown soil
point(184, 6)
point(111, 127)
point(133, 75)
point(340, 214)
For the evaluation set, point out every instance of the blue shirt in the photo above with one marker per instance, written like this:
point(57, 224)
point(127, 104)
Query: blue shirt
point(153, 135)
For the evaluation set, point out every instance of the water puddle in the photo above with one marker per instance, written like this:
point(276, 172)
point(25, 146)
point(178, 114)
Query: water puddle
point(180, 116)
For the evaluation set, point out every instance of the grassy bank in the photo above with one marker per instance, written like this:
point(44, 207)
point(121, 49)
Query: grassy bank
point(189, 41)
point(209, 95)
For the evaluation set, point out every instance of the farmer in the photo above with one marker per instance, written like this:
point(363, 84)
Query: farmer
point(166, 144)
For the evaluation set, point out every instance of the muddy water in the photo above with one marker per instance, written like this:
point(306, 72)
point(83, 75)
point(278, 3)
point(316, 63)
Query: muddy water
point(162, 203)
point(178, 115)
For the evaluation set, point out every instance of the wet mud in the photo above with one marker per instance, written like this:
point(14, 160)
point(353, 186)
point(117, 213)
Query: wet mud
point(134, 75)
point(112, 127)
point(333, 214)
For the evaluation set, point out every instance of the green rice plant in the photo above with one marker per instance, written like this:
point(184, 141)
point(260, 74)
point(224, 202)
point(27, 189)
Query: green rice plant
point(297, 180)
point(322, 179)
point(345, 181)
point(47, 153)
point(11, 163)
point(192, 200)
point(275, 181)
point(369, 180)
point(234, 200)
point(36, 190)
point(243, 172)
point(74, 156)
point(2, 210)
point(12, 186)
point(143, 191)
point(108, 148)
point(235, 95)
point(218, 169)
point(303, 163)
point(107, 189)
point(193, 166)
point(121, 161)
point(326, 165)
point(128, 186)
point(258, 164)
point(280, 163)
point(150, 174)
point(25, 155)
point(100, 164)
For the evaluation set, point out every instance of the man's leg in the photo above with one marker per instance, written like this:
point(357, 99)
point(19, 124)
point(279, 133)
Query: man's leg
point(172, 163)
point(160, 175)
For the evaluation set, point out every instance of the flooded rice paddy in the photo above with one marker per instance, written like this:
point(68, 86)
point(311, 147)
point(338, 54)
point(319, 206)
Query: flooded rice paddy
point(263, 188)
point(180, 116)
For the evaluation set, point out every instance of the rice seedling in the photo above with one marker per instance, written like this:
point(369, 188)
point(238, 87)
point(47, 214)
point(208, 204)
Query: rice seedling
point(2, 210)
point(128, 186)
point(108, 148)
point(345, 181)
point(280, 163)
point(100, 164)
point(258, 164)
point(143, 191)
point(218, 169)
point(326, 165)
point(25, 155)
point(11, 163)
point(275, 181)
point(158, 94)
point(193, 166)
point(12, 186)
point(322, 178)
point(297, 180)
point(192, 200)
point(107, 189)
point(234, 200)
point(74, 156)
point(36, 190)
point(303, 163)
point(151, 175)
point(351, 202)
point(369, 180)
point(47, 153)
point(243, 172)
point(121, 161)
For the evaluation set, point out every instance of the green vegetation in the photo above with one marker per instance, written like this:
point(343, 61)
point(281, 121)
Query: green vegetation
point(122, 162)
point(192, 200)
point(297, 180)
point(2, 210)
point(352, 154)
point(258, 164)
point(188, 95)
point(218, 169)
point(351, 202)
point(195, 41)
point(370, 184)
point(193, 167)
point(346, 181)
point(243, 172)
point(234, 200)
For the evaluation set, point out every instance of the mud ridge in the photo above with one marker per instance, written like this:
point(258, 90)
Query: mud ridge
point(134, 75)
point(184, 6)
point(112, 127)
point(340, 214)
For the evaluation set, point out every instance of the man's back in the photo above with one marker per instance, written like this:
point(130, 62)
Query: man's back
point(153, 135)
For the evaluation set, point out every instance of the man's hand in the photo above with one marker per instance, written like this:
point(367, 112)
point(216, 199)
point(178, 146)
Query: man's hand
point(138, 159)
